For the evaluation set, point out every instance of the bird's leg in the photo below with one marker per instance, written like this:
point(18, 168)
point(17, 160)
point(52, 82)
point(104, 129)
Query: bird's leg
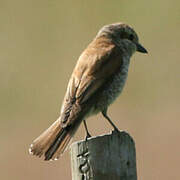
point(87, 132)
point(104, 113)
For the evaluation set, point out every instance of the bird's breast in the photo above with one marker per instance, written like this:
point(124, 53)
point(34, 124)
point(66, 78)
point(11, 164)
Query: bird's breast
point(113, 87)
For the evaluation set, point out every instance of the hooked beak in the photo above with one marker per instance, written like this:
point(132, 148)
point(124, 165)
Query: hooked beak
point(140, 48)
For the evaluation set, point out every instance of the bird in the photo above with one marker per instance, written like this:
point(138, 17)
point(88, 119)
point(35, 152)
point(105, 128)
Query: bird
point(96, 81)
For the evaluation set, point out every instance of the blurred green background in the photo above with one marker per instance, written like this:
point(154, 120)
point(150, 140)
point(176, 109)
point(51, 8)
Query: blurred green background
point(40, 42)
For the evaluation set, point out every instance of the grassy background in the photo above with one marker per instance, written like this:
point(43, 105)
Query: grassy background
point(40, 41)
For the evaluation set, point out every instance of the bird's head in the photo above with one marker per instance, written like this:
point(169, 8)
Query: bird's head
point(122, 35)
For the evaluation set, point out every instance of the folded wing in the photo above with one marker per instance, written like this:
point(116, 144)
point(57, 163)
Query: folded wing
point(96, 64)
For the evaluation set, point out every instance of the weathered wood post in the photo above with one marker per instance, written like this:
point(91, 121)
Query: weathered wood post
point(107, 157)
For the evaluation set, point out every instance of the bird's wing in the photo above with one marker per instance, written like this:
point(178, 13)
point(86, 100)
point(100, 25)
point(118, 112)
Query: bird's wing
point(96, 64)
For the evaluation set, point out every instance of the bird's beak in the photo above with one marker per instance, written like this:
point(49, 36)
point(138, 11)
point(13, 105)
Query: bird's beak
point(140, 48)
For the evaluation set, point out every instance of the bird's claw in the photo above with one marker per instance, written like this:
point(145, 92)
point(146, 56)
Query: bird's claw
point(87, 136)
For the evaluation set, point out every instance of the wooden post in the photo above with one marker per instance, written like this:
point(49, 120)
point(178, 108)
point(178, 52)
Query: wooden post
point(107, 157)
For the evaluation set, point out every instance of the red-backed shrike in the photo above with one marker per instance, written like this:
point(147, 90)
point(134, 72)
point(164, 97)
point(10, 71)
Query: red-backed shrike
point(97, 80)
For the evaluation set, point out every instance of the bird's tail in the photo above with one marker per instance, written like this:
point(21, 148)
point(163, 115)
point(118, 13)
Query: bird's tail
point(53, 142)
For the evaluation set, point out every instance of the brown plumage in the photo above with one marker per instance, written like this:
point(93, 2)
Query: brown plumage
point(97, 79)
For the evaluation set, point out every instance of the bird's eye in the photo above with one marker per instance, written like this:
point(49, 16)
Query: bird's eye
point(131, 37)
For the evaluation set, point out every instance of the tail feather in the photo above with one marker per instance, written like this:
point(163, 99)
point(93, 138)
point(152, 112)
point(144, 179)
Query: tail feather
point(63, 146)
point(53, 142)
point(60, 139)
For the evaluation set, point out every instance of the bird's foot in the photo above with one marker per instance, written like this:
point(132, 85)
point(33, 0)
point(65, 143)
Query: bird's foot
point(87, 136)
point(116, 130)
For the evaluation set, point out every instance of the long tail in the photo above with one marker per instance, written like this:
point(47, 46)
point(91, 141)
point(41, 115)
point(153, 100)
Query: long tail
point(53, 142)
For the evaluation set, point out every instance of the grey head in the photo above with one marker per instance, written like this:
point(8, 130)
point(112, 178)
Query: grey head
point(122, 35)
